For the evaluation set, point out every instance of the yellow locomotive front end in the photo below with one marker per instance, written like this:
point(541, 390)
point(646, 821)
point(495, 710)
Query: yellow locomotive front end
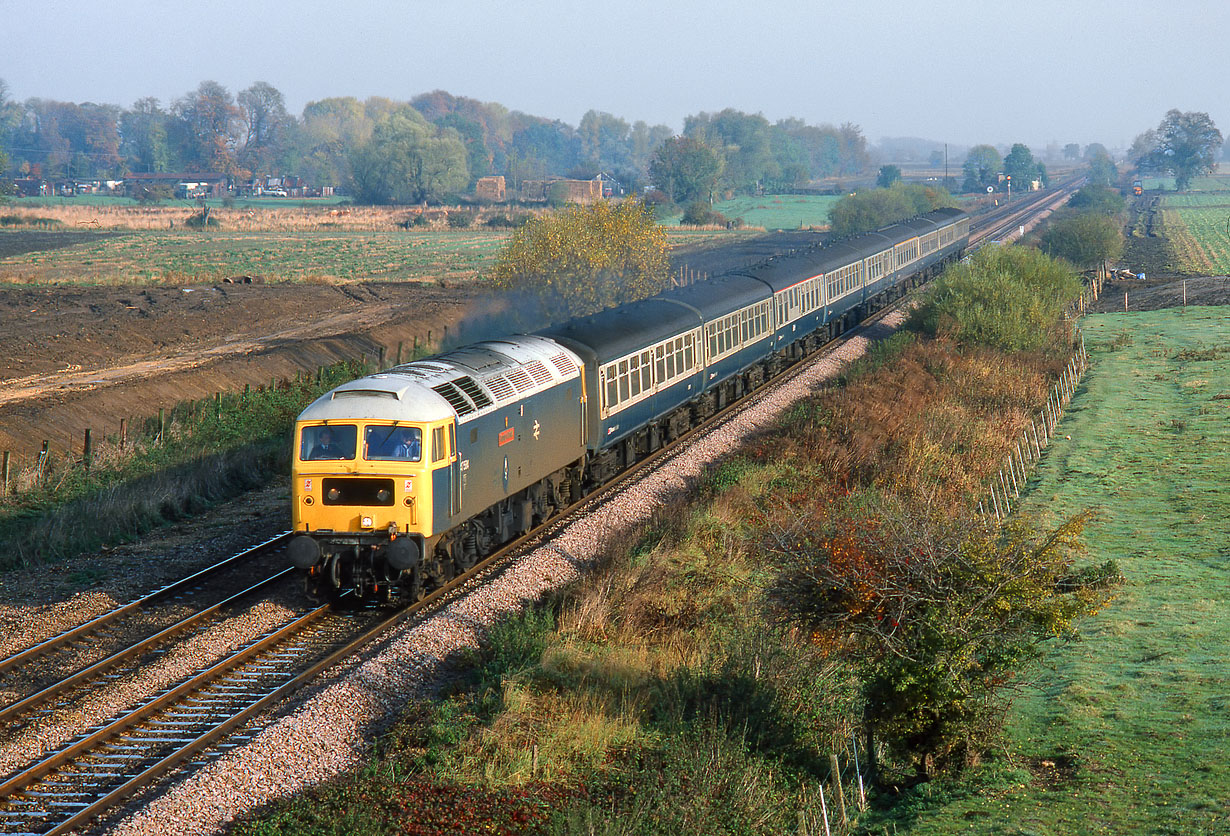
point(362, 489)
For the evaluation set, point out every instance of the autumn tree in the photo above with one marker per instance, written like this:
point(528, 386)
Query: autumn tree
point(147, 144)
point(686, 169)
point(586, 258)
point(1184, 145)
point(940, 614)
point(212, 124)
point(266, 121)
point(408, 160)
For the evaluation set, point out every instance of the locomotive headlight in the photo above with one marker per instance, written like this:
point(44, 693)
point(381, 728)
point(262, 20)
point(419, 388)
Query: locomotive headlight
point(334, 494)
point(384, 495)
point(367, 522)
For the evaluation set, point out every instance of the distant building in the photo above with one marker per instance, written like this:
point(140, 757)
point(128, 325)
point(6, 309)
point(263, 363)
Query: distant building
point(490, 188)
point(32, 187)
point(184, 184)
point(562, 191)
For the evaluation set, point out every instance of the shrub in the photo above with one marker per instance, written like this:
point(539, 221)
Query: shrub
point(940, 612)
point(699, 214)
point(460, 220)
point(1009, 298)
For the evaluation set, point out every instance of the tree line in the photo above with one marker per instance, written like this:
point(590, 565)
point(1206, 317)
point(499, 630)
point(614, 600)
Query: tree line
point(388, 151)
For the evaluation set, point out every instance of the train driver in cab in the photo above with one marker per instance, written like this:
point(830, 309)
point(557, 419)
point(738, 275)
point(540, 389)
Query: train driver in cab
point(326, 447)
point(409, 445)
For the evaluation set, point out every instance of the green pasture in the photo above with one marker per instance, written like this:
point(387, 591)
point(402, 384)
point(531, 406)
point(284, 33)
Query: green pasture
point(187, 256)
point(779, 211)
point(1211, 183)
point(1126, 731)
point(1198, 228)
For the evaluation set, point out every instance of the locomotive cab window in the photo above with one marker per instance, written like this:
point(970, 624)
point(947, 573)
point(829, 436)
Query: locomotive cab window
point(439, 452)
point(382, 443)
point(334, 442)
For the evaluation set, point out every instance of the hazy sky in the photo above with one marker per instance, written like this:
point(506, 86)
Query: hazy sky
point(960, 71)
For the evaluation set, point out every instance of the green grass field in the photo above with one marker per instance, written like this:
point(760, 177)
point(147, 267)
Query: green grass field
point(1211, 183)
point(174, 256)
point(779, 211)
point(187, 257)
point(1127, 730)
point(1198, 226)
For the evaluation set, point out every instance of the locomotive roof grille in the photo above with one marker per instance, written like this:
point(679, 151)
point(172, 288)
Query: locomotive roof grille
point(467, 385)
point(520, 379)
point(539, 372)
point(501, 388)
point(565, 366)
point(456, 400)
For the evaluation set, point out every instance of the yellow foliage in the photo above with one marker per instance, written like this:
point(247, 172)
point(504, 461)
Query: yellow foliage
point(586, 258)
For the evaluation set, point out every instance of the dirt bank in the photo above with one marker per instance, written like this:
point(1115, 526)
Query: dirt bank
point(78, 357)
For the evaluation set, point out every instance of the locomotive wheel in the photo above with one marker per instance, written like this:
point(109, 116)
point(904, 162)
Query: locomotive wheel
point(414, 587)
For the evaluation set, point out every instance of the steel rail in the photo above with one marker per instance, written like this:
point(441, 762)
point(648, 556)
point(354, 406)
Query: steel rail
point(73, 634)
point(102, 666)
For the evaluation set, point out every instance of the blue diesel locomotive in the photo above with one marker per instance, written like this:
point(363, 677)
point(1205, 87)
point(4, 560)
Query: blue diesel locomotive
point(405, 478)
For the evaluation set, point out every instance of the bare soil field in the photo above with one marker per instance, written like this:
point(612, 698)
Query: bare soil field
point(78, 357)
point(1165, 292)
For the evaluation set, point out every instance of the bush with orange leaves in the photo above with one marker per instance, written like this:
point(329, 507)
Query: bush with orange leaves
point(939, 613)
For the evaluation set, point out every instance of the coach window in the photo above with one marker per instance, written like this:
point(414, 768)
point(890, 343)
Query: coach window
point(612, 387)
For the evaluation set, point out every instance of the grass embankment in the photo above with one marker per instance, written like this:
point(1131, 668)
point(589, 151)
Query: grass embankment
point(1127, 730)
point(666, 694)
point(208, 451)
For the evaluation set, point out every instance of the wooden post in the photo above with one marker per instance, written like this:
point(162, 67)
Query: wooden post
point(398, 363)
point(1125, 301)
point(534, 761)
point(835, 772)
point(218, 403)
point(380, 358)
point(162, 422)
point(1016, 491)
point(4, 485)
point(1003, 487)
point(123, 432)
point(1037, 446)
point(87, 451)
point(1185, 293)
point(43, 455)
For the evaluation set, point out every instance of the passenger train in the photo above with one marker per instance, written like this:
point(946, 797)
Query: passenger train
point(405, 478)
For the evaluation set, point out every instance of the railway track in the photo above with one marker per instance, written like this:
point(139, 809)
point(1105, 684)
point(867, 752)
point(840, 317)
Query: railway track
point(204, 713)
